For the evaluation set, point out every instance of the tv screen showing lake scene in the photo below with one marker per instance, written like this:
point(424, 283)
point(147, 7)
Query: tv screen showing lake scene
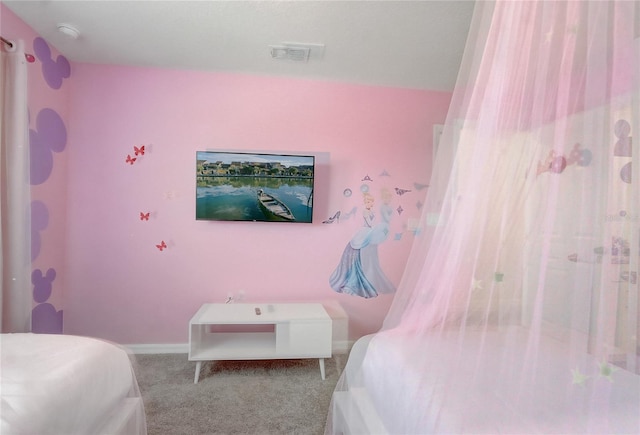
point(254, 187)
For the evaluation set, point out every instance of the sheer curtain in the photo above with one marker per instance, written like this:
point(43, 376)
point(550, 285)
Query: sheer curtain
point(15, 231)
point(518, 309)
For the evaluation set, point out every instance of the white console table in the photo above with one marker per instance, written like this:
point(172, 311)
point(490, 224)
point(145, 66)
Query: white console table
point(259, 331)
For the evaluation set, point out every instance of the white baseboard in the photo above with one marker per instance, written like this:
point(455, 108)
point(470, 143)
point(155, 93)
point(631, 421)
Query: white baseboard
point(338, 347)
point(158, 348)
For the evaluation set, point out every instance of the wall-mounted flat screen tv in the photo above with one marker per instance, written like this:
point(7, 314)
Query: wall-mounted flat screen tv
point(239, 186)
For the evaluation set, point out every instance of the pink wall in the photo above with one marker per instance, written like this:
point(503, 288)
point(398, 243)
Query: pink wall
point(112, 282)
point(48, 103)
point(121, 287)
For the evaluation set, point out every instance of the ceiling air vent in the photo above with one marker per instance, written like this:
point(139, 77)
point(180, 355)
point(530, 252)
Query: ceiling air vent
point(296, 52)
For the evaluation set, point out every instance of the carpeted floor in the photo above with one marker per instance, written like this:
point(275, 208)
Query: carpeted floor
point(235, 397)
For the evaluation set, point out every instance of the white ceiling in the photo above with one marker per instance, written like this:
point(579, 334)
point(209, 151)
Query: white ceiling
point(412, 44)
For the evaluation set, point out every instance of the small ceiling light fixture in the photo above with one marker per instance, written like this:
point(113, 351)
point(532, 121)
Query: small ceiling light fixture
point(69, 31)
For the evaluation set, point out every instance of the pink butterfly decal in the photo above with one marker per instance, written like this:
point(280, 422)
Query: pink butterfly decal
point(138, 151)
point(144, 216)
point(161, 246)
point(130, 160)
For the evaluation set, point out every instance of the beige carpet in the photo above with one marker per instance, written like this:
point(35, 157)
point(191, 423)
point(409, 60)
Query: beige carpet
point(235, 397)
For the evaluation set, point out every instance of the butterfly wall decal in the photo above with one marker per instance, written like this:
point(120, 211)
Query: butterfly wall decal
point(144, 216)
point(401, 191)
point(130, 160)
point(367, 178)
point(161, 246)
point(138, 151)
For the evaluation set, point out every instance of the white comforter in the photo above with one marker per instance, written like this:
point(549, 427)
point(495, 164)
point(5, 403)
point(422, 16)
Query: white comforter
point(60, 384)
point(569, 393)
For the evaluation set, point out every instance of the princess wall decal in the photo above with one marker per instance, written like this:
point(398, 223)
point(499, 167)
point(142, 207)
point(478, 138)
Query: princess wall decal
point(359, 272)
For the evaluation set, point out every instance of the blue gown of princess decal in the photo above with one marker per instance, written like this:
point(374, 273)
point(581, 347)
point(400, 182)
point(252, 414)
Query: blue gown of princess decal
point(358, 272)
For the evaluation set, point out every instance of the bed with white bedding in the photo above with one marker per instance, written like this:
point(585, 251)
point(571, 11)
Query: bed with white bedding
point(568, 392)
point(62, 384)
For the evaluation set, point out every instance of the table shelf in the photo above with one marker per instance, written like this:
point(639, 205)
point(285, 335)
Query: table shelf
point(281, 331)
point(234, 345)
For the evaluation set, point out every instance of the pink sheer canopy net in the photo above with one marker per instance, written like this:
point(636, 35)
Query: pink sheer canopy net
point(518, 309)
